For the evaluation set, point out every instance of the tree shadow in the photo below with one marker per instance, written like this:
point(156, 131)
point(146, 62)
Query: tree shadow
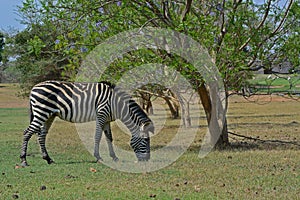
point(265, 145)
point(250, 144)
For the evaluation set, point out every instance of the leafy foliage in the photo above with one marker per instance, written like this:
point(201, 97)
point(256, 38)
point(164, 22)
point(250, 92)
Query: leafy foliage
point(60, 33)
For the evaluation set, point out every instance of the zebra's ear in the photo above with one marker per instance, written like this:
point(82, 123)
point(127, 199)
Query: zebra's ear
point(148, 128)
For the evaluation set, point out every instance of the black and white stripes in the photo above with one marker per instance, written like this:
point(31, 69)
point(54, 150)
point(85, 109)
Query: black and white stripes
point(83, 102)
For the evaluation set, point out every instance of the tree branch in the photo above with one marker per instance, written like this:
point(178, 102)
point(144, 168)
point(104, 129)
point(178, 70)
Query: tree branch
point(152, 6)
point(274, 32)
point(222, 30)
point(186, 10)
point(157, 95)
point(259, 25)
point(166, 11)
point(283, 19)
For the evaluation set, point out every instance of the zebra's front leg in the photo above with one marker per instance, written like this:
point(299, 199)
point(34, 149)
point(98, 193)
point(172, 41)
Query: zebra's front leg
point(26, 138)
point(109, 139)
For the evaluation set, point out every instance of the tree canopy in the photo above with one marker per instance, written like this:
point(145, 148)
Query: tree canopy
point(1, 45)
point(236, 33)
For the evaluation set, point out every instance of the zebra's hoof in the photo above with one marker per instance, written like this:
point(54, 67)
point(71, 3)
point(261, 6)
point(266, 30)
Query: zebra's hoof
point(100, 160)
point(24, 164)
point(115, 159)
point(50, 161)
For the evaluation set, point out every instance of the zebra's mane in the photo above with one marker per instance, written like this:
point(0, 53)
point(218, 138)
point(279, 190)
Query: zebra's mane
point(111, 85)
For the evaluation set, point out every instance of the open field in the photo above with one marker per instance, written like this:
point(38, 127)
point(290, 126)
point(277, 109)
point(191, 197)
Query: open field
point(279, 83)
point(265, 168)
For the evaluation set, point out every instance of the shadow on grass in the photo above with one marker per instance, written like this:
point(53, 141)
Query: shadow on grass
point(249, 143)
point(249, 146)
point(74, 162)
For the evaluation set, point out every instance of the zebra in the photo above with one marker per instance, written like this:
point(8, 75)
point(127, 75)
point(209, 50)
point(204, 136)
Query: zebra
point(102, 102)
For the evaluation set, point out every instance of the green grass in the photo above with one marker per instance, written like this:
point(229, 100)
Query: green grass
point(264, 83)
point(247, 170)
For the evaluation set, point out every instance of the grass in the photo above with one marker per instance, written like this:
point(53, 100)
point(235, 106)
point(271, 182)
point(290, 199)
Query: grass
point(264, 83)
point(247, 170)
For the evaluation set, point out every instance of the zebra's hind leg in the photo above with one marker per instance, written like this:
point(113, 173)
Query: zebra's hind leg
point(42, 139)
point(26, 138)
point(109, 139)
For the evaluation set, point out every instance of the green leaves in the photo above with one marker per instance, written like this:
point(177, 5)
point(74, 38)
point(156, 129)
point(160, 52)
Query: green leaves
point(35, 46)
point(235, 33)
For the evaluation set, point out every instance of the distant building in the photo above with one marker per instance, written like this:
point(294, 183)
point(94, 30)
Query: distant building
point(284, 67)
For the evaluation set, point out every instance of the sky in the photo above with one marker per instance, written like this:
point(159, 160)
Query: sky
point(8, 14)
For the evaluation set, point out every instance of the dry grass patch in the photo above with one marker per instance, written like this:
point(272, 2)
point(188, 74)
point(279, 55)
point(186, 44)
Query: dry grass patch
point(247, 170)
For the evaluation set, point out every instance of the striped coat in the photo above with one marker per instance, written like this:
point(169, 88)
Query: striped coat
point(84, 102)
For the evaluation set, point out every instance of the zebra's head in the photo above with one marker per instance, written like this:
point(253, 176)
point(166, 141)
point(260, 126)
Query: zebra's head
point(136, 120)
point(140, 142)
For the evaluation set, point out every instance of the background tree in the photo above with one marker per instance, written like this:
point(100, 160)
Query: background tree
point(1, 52)
point(290, 49)
point(1, 45)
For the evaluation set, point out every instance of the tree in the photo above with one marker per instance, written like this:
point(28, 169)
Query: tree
point(236, 34)
point(290, 49)
point(1, 51)
point(1, 45)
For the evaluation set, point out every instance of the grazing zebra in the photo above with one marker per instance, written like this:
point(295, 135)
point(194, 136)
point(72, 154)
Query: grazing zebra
point(83, 102)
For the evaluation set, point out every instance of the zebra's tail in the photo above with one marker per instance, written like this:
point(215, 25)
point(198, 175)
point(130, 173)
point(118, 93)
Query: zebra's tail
point(30, 112)
point(30, 117)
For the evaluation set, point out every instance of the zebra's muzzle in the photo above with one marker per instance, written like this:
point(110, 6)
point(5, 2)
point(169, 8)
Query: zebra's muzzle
point(143, 156)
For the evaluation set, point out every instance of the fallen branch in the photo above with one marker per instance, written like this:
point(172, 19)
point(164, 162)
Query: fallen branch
point(264, 141)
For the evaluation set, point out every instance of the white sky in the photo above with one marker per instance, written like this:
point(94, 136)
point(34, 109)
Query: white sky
point(8, 14)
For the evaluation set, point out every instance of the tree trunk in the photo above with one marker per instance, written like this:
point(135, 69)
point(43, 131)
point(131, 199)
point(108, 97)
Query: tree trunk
point(223, 140)
point(173, 108)
point(185, 111)
point(145, 102)
point(207, 105)
point(173, 105)
point(149, 107)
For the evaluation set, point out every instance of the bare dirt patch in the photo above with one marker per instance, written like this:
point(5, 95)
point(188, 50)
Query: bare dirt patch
point(9, 98)
point(264, 98)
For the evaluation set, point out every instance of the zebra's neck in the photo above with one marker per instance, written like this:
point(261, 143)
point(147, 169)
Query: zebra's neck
point(128, 111)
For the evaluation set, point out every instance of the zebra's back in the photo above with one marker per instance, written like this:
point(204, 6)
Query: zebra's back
point(74, 102)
